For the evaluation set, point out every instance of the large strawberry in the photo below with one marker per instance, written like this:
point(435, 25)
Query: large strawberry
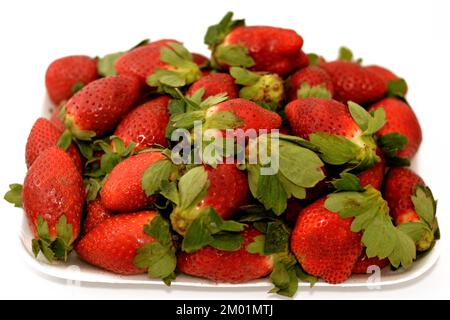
point(44, 135)
point(96, 214)
point(122, 190)
point(400, 120)
point(215, 84)
point(146, 124)
point(262, 48)
point(410, 201)
point(311, 76)
point(324, 244)
point(53, 198)
point(227, 266)
point(65, 76)
point(98, 107)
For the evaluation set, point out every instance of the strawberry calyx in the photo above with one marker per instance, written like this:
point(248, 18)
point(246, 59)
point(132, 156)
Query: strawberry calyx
point(14, 195)
point(318, 91)
point(345, 54)
point(232, 55)
point(56, 248)
point(217, 33)
point(391, 144)
point(397, 88)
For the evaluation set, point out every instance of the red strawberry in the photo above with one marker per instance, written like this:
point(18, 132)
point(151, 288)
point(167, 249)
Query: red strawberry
point(44, 135)
point(200, 60)
point(362, 265)
point(324, 244)
point(96, 214)
point(112, 244)
point(385, 74)
point(400, 118)
point(146, 124)
point(99, 106)
point(214, 84)
point(53, 188)
point(227, 266)
point(374, 175)
point(303, 60)
point(67, 75)
point(353, 82)
point(55, 120)
point(313, 76)
point(122, 190)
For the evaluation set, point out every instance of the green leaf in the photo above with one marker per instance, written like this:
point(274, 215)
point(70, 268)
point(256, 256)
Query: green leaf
point(176, 106)
point(65, 140)
point(359, 114)
point(284, 277)
point(424, 204)
point(14, 195)
point(77, 87)
point(345, 54)
point(213, 100)
point(234, 55)
point(415, 230)
point(223, 120)
point(397, 88)
point(277, 238)
point(108, 161)
point(313, 59)
point(93, 187)
point(227, 242)
point(169, 191)
point(217, 33)
point(347, 182)
point(305, 277)
point(271, 193)
point(159, 228)
point(186, 120)
point(106, 64)
point(86, 149)
point(244, 77)
point(257, 246)
point(391, 143)
point(197, 236)
point(155, 174)
point(334, 149)
point(319, 91)
point(193, 185)
point(376, 122)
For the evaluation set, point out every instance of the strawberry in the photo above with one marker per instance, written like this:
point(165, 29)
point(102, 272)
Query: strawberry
point(112, 244)
point(324, 244)
point(215, 84)
point(145, 125)
point(227, 266)
point(269, 49)
point(400, 120)
point(385, 74)
point(200, 60)
point(65, 76)
point(96, 214)
point(56, 120)
point(98, 107)
point(410, 201)
point(122, 190)
point(374, 175)
point(53, 198)
point(396, 85)
point(303, 60)
point(352, 82)
point(44, 135)
point(312, 76)
point(159, 59)
point(362, 265)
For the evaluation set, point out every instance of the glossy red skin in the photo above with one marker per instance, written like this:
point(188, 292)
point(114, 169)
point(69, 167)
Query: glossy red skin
point(399, 185)
point(44, 135)
point(53, 186)
point(254, 116)
point(101, 104)
point(200, 60)
point(374, 175)
point(401, 118)
point(324, 244)
point(312, 75)
point(274, 50)
point(143, 61)
point(303, 59)
point(310, 115)
point(227, 266)
point(62, 74)
point(96, 214)
point(146, 124)
point(214, 84)
point(122, 190)
point(353, 82)
point(112, 244)
point(55, 120)
point(384, 73)
point(364, 263)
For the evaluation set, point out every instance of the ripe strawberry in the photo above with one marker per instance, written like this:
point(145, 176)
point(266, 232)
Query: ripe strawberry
point(313, 76)
point(53, 198)
point(362, 265)
point(67, 75)
point(324, 244)
point(214, 84)
point(374, 175)
point(200, 60)
point(227, 266)
point(353, 82)
point(303, 60)
point(400, 118)
point(55, 120)
point(44, 135)
point(99, 106)
point(112, 244)
point(385, 74)
point(122, 190)
point(146, 124)
point(410, 201)
point(96, 214)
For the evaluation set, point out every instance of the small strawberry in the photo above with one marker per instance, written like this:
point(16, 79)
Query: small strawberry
point(215, 84)
point(44, 135)
point(396, 85)
point(227, 266)
point(146, 124)
point(98, 107)
point(65, 76)
point(96, 214)
point(363, 265)
point(324, 244)
point(122, 190)
point(400, 120)
point(410, 201)
point(261, 48)
point(53, 198)
point(311, 76)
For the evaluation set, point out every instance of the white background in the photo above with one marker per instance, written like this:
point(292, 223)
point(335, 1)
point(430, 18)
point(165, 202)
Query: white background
point(410, 37)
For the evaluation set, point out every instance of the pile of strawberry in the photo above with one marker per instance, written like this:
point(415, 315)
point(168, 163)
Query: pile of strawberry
point(101, 179)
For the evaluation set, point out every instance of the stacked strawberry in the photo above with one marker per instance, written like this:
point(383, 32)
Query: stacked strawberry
point(158, 160)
